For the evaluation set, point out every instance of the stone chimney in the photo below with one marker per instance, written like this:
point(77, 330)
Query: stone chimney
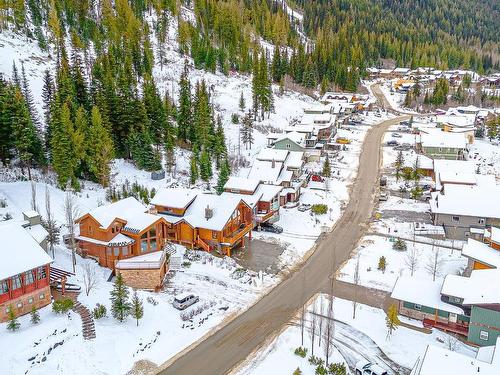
point(32, 217)
point(209, 213)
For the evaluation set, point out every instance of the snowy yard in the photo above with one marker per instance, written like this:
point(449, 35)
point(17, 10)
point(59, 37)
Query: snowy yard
point(161, 333)
point(371, 248)
point(362, 338)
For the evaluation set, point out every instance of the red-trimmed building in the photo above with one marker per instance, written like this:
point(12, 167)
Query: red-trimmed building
point(24, 272)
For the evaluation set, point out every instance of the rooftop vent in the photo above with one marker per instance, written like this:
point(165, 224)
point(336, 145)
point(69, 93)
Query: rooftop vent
point(209, 212)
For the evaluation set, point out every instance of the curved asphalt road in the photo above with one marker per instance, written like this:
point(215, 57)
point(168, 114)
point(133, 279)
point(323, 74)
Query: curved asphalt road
point(219, 353)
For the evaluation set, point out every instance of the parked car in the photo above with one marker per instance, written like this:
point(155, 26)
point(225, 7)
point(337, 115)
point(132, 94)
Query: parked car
point(317, 178)
point(272, 228)
point(406, 145)
point(392, 142)
point(183, 301)
point(364, 367)
point(403, 129)
point(343, 140)
point(383, 197)
point(383, 181)
point(396, 135)
point(304, 207)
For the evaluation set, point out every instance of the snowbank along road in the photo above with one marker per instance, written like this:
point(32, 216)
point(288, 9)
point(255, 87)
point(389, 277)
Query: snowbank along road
point(226, 348)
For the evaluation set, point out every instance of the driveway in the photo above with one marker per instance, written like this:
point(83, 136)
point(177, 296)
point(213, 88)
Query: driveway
point(232, 343)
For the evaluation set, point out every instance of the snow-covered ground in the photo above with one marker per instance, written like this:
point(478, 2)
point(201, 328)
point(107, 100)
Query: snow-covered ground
point(364, 337)
point(371, 248)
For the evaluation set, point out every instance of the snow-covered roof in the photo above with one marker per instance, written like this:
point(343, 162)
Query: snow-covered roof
point(423, 292)
point(293, 136)
point(424, 162)
point(147, 261)
point(124, 209)
point(458, 166)
point(221, 206)
point(19, 252)
point(242, 184)
point(174, 197)
point(401, 70)
point(481, 252)
point(31, 214)
point(263, 171)
point(119, 240)
point(443, 139)
point(478, 289)
point(454, 120)
point(294, 160)
point(317, 108)
point(269, 154)
point(38, 232)
point(468, 200)
point(438, 360)
point(493, 234)
point(268, 192)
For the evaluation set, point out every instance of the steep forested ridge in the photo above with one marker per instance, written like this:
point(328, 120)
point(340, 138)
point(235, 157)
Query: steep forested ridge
point(102, 100)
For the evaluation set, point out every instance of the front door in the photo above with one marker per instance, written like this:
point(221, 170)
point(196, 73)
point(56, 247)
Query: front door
point(452, 318)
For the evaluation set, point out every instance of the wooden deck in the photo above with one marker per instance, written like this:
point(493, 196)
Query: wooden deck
point(460, 329)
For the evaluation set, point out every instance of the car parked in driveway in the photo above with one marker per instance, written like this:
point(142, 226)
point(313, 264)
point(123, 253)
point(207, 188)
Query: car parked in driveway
point(272, 228)
point(396, 135)
point(392, 143)
point(304, 207)
point(183, 301)
point(364, 367)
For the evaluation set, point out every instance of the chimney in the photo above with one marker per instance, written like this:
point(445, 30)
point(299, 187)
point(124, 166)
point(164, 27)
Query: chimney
point(273, 163)
point(209, 213)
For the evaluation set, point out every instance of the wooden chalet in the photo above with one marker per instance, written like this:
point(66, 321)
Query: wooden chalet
point(206, 221)
point(118, 231)
point(24, 272)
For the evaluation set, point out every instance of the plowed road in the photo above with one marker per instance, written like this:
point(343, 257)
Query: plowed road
point(219, 353)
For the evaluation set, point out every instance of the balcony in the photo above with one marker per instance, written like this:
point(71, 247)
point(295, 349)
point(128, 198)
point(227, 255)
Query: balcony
point(458, 328)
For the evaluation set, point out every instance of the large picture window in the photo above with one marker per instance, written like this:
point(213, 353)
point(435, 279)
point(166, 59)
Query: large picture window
point(16, 282)
point(41, 273)
point(4, 287)
point(28, 278)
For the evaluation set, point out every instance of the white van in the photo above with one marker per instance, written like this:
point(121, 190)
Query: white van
point(183, 301)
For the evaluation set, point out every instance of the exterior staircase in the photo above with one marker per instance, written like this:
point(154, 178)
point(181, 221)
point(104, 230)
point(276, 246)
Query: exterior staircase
point(88, 325)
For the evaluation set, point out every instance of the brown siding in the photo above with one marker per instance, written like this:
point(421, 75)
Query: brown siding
point(26, 305)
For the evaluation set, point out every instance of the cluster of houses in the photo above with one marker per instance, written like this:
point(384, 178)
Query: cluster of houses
point(467, 305)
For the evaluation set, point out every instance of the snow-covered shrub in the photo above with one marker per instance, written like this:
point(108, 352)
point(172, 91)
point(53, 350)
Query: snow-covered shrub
point(62, 306)
point(99, 311)
point(301, 352)
point(399, 245)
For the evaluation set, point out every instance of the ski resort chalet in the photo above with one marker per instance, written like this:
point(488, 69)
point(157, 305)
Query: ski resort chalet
point(207, 221)
point(24, 271)
point(119, 230)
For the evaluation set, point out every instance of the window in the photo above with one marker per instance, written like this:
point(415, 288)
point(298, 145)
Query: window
point(288, 145)
point(41, 273)
point(30, 300)
point(152, 232)
point(16, 282)
point(483, 335)
point(19, 305)
point(417, 307)
point(455, 218)
point(125, 250)
point(152, 245)
point(116, 251)
point(4, 287)
point(28, 278)
point(481, 221)
point(144, 246)
point(113, 230)
point(42, 296)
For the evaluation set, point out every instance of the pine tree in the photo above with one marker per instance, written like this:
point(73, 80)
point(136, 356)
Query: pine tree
point(242, 102)
point(247, 130)
point(219, 144)
point(13, 324)
point(398, 164)
point(193, 165)
point(184, 114)
point(223, 176)
point(48, 96)
point(120, 306)
point(15, 75)
point(137, 310)
point(100, 150)
point(327, 171)
point(392, 320)
point(35, 316)
point(205, 166)
point(28, 97)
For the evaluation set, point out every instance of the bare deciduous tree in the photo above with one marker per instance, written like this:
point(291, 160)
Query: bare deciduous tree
point(90, 279)
point(34, 206)
point(302, 324)
point(50, 224)
point(321, 319)
point(313, 322)
point(411, 259)
point(329, 334)
point(434, 263)
point(356, 282)
point(71, 214)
